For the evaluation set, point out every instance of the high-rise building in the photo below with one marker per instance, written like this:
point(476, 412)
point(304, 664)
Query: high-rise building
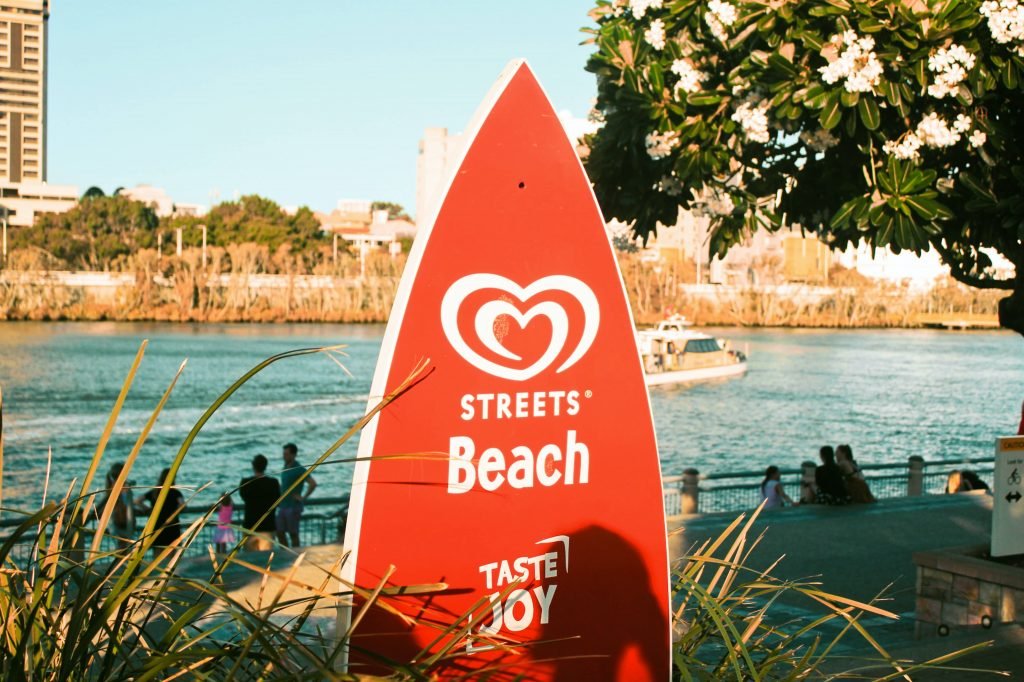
point(23, 90)
point(23, 45)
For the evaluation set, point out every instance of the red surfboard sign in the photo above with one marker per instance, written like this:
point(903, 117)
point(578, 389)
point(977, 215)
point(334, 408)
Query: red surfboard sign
point(537, 498)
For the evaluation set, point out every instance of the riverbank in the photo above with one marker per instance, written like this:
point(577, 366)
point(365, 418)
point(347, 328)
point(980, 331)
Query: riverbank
point(350, 289)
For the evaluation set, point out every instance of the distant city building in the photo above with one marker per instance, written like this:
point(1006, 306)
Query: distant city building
point(354, 220)
point(21, 201)
point(439, 152)
point(23, 116)
point(23, 38)
point(160, 201)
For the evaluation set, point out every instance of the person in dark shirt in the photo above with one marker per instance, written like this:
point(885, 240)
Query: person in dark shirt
point(829, 480)
point(168, 526)
point(259, 493)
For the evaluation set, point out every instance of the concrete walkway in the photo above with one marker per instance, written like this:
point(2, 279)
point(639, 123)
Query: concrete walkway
point(857, 552)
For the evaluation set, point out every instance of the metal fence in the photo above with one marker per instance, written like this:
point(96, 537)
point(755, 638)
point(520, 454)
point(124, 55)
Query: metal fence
point(322, 523)
point(324, 518)
point(694, 492)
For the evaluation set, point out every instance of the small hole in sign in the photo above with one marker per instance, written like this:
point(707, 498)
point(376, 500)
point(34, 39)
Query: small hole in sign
point(522, 185)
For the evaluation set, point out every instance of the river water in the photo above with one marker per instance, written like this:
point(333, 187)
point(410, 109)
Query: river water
point(889, 393)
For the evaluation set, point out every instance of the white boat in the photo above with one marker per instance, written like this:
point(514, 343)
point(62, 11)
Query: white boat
point(675, 354)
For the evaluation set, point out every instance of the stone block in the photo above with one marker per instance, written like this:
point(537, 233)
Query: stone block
point(933, 583)
point(965, 588)
point(954, 614)
point(990, 593)
point(928, 610)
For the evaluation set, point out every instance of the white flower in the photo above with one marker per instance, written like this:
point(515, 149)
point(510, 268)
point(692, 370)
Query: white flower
point(721, 203)
point(962, 123)
point(754, 121)
point(906, 148)
point(655, 35)
point(977, 138)
point(720, 15)
point(820, 140)
point(857, 63)
point(671, 185)
point(1005, 20)
point(689, 77)
point(639, 7)
point(935, 132)
point(660, 145)
point(950, 66)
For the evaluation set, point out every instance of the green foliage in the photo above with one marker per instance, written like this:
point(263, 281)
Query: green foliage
point(252, 219)
point(93, 192)
point(78, 606)
point(395, 211)
point(93, 233)
point(102, 229)
point(764, 110)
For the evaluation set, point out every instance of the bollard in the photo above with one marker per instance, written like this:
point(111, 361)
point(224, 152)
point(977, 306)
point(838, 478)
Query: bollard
point(690, 491)
point(807, 486)
point(915, 475)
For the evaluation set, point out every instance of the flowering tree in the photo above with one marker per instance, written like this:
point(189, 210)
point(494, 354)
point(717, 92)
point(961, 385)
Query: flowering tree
point(896, 122)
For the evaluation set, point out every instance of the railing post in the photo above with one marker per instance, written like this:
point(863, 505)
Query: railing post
point(807, 482)
point(690, 491)
point(915, 476)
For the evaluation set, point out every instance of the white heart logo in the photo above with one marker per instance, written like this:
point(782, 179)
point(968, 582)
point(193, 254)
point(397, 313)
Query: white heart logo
point(484, 322)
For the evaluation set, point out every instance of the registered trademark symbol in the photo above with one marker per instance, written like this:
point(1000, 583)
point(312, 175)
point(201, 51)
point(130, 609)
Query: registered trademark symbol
point(588, 393)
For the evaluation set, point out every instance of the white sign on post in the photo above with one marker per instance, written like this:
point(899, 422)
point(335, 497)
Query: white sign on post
point(1008, 500)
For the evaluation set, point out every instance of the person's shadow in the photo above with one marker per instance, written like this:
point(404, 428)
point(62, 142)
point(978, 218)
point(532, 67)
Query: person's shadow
point(606, 622)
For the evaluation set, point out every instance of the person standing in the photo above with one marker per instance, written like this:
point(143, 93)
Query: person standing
point(289, 512)
point(259, 492)
point(168, 525)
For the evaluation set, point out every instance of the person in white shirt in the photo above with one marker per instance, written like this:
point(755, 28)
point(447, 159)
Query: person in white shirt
point(771, 490)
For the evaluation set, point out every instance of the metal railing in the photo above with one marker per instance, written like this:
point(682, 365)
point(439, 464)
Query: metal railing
point(694, 492)
point(323, 521)
point(321, 525)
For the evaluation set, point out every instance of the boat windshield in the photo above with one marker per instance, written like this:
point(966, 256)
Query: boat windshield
point(702, 346)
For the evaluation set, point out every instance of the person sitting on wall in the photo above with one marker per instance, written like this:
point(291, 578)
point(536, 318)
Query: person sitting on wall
point(772, 494)
point(964, 482)
point(828, 479)
point(856, 485)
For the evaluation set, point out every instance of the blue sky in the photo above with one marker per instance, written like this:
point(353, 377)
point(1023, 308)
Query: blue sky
point(326, 99)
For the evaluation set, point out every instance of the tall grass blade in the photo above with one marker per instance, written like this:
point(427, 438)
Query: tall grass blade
point(115, 492)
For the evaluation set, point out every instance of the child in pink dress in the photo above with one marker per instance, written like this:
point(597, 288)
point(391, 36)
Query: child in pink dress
point(224, 536)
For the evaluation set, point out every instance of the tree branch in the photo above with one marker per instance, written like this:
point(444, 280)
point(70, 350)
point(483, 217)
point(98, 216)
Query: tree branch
point(962, 276)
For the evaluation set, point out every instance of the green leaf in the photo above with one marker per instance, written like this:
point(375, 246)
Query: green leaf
point(917, 180)
point(656, 78)
point(831, 113)
point(703, 99)
point(1009, 74)
point(846, 212)
point(849, 99)
point(869, 114)
point(920, 73)
point(929, 209)
point(782, 65)
point(816, 97)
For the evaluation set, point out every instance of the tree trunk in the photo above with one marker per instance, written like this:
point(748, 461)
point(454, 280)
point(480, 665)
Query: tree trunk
point(1011, 311)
